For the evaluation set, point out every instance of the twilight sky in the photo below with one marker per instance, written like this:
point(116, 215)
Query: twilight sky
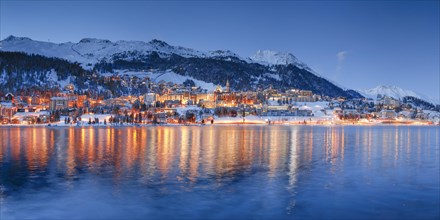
point(356, 44)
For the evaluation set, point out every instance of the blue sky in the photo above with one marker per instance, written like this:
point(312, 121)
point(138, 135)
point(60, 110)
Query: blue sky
point(357, 44)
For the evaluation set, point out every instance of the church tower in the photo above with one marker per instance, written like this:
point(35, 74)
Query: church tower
point(228, 89)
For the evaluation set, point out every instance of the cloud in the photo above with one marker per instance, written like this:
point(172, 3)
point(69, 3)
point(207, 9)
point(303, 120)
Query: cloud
point(341, 55)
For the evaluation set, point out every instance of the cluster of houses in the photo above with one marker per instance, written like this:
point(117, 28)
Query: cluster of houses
point(383, 108)
point(177, 103)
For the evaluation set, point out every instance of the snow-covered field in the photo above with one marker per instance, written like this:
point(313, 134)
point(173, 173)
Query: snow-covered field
point(167, 76)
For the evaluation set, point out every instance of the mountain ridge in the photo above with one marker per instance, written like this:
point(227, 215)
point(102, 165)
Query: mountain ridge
point(85, 46)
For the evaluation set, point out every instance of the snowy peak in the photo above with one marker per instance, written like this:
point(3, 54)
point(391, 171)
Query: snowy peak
point(158, 43)
point(269, 57)
point(14, 38)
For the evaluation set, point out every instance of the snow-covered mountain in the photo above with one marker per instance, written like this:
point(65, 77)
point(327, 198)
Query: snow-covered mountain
point(393, 91)
point(102, 57)
point(90, 51)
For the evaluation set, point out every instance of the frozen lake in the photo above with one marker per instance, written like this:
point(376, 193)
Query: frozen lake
point(219, 172)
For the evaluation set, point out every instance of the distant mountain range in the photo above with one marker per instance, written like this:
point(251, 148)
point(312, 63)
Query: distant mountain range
point(395, 92)
point(104, 57)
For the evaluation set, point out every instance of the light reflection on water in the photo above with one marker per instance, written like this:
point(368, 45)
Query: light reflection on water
point(220, 172)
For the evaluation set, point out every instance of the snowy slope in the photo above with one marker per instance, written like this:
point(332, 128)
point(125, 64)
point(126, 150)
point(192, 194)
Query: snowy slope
point(167, 76)
point(268, 57)
point(271, 58)
point(23, 44)
point(170, 76)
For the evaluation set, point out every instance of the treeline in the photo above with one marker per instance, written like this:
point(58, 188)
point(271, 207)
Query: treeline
point(20, 71)
point(18, 62)
point(30, 74)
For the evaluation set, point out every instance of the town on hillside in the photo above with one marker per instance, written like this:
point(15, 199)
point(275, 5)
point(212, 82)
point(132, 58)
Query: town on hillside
point(170, 103)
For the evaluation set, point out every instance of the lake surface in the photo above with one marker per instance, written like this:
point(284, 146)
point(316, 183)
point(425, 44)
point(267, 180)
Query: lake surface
point(219, 172)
